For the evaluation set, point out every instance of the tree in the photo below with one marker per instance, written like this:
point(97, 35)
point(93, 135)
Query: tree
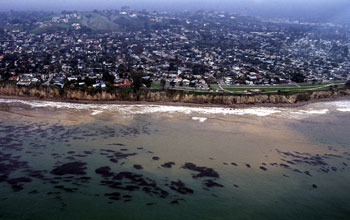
point(172, 67)
point(136, 77)
point(347, 84)
point(199, 69)
point(162, 83)
point(107, 77)
point(89, 82)
point(122, 68)
point(147, 82)
point(298, 77)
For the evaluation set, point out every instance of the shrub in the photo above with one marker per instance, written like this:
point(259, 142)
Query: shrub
point(347, 84)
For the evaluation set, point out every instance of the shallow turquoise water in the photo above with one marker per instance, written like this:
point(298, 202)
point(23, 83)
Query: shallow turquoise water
point(298, 169)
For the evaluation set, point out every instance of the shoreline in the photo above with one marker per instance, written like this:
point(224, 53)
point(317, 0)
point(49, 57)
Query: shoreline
point(169, 97)
point(185, 104)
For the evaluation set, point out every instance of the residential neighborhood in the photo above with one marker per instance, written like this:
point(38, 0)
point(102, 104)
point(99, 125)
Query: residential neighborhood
point(101, 49)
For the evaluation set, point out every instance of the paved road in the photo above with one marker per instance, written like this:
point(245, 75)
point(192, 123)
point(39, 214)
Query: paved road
point(47, 83)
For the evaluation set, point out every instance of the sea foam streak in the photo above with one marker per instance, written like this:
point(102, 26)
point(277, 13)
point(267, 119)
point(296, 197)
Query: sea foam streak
point(133, 109)
point(146, 109)
point(342, 106)
point(96, 112)
point(200, 119)
point(312, 112)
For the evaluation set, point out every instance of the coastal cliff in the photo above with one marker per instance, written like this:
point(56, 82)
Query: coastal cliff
point(67, 94)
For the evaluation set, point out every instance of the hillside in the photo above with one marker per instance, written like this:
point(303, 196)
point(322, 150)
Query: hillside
point(98, 22)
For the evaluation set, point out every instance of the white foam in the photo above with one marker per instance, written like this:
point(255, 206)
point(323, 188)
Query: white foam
point(313, 112)
point(200, 119)
point(343, 109)
point(150, 109)
point(43, 104)
point(343, 106)
point(312, 109)
point(96, 112)
point(345, 103)
point(146, 109)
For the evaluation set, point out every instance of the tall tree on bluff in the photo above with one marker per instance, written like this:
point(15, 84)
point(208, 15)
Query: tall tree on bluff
point(136, 77)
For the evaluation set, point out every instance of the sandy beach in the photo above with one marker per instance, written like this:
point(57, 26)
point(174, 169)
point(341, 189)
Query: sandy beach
point(299, 104)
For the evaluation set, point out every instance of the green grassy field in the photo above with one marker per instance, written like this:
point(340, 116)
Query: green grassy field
point(279, 88)
point(156, 85)
point(241, 89)
point(98, 22)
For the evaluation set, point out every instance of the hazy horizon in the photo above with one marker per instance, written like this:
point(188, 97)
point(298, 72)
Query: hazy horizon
point(323, 10)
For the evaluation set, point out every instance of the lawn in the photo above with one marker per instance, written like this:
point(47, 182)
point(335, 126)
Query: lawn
point(275, 89)
point(156, 85)
point(240, 89)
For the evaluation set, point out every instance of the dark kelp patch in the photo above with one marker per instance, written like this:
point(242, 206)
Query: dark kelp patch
point(168, 164)
point(202, 171)
point(75, 168)
point(211, 183)
point(180, 187)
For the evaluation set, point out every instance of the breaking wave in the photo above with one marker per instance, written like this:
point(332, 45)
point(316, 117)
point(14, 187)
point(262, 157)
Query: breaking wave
point(97, 109)
point(144, 109)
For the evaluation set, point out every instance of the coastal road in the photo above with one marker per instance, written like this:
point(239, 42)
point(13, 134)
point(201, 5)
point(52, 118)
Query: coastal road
point(47, 83)
point(222, 83)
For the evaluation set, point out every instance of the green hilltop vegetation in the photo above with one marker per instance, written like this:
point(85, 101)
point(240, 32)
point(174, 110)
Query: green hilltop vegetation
point(52, 28)
point(98, 22)
point(89, 21)
point(103, 21)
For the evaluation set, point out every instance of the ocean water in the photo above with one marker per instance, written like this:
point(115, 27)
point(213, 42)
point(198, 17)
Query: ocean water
point(80, 161)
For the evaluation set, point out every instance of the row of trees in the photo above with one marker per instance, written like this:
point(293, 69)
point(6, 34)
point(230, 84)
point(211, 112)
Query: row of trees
point(138, 77)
